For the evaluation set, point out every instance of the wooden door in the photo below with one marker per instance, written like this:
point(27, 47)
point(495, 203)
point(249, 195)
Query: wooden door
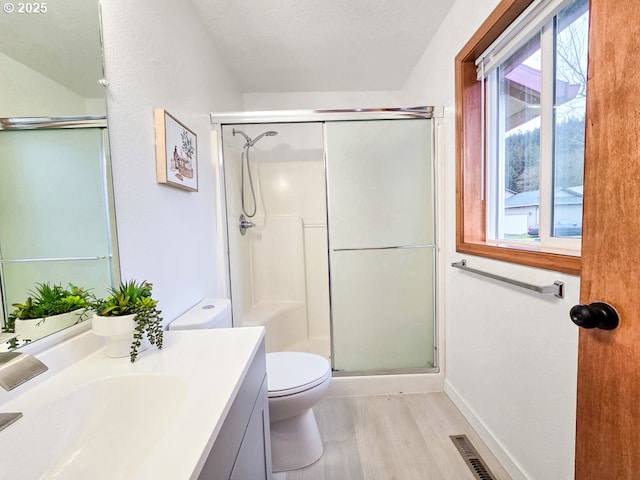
point(608, 407)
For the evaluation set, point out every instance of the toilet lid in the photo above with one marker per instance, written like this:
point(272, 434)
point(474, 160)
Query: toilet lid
point(295, 372)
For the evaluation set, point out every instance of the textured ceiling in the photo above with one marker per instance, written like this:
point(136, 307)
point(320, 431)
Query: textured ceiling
point(321, 45)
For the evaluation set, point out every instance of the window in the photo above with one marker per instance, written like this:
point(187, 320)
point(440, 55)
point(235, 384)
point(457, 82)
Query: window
point(521, 97)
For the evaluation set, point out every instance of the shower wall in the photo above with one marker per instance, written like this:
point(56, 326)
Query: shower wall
point(279, 269)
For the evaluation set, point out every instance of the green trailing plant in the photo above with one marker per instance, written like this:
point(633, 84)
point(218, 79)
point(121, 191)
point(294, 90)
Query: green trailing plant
point(135, 298)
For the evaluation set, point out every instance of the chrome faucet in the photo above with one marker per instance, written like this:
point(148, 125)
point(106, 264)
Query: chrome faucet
point(17, 367)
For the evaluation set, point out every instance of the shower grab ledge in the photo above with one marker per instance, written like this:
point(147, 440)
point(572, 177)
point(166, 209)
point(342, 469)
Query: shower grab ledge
point(557, 289)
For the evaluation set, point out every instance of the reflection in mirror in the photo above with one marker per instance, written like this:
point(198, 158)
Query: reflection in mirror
point(51, 62)
point(56, 206)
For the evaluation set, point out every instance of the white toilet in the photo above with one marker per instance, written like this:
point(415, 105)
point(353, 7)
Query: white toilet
point(296, 382)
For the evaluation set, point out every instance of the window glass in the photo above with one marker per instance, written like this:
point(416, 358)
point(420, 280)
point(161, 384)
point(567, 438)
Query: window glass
point(520, 84)
point(570, 101)
point(535, 115)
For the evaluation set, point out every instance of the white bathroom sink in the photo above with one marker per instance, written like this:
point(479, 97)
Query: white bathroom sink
point(108, 419)
point(86, 433)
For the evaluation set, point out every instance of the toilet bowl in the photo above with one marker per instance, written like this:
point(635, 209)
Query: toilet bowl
point(296, 382)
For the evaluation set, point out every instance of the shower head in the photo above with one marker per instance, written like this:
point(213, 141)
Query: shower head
point(270, 133)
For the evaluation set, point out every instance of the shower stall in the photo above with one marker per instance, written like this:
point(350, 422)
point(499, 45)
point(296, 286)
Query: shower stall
point(331, 234)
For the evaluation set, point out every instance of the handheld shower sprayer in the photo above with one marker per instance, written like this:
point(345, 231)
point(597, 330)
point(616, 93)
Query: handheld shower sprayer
point(250, 142)
point(270, 133)
point(244, 164)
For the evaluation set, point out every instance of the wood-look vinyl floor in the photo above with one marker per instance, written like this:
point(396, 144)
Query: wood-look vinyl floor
point(392, 437)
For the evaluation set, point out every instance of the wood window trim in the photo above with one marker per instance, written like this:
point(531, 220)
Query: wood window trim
point(470, 203)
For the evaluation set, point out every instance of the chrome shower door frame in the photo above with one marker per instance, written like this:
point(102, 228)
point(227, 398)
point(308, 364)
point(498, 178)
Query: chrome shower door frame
point(219, 120)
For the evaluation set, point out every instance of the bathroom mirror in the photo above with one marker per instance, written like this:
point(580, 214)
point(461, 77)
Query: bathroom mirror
point(56, 209)
point(51, 61)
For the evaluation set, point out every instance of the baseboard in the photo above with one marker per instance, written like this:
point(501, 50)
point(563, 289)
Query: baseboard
point(509, 464)
point(386, 384)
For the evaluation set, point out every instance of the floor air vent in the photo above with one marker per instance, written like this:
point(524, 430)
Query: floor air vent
point(472, 458)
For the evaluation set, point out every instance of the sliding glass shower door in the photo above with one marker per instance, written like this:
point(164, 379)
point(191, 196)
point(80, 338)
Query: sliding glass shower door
point(381, 244)
point(56, 219)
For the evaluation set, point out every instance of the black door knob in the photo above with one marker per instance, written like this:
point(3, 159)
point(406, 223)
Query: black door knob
point(595, 315)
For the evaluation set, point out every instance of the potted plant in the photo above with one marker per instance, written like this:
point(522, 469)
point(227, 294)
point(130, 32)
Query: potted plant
point(128, 318)
point(47, 309)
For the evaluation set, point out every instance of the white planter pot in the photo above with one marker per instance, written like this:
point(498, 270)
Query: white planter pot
point(35, 328)
point(118, 334)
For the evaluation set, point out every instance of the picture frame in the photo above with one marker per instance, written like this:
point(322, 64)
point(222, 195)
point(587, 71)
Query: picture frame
point(176, 152)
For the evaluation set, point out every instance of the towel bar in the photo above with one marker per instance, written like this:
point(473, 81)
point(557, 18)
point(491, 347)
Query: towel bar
point(557, 289)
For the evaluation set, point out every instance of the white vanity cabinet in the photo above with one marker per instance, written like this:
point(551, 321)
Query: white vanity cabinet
point(242, 449)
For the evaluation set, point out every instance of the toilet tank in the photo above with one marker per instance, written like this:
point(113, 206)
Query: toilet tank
point(208, 313)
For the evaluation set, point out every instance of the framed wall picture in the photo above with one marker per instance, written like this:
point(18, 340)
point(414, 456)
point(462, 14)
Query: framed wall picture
point(176, 152)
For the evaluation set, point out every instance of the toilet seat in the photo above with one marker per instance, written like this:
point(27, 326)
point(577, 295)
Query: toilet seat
point(289, 373)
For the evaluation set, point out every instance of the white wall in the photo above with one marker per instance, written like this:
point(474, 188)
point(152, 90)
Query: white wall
point(510, 354)
point(158, 55)
point(321, 100)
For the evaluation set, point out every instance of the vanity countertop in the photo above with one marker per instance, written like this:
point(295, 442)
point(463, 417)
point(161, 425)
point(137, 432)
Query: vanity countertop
point(106, 418)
